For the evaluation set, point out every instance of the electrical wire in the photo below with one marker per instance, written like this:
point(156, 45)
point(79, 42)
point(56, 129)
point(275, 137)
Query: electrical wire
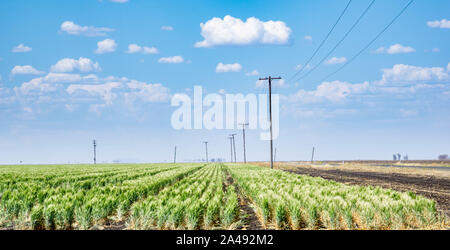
point(340, 42)
point(323, 41)
point(369, 44)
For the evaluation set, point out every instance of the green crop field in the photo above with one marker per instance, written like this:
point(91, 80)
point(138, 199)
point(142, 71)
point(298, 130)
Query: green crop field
point(198, 196)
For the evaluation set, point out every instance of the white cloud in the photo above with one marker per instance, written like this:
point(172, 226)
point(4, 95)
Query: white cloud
point(335, 91)
point(72, 28)
point(224, 68)
point(443, 24)
point(103, 90)
point(395, 49)
point(21, 49)
point(234, 31)
point(168, 28)
point(146, 92)
point(308, 38)
point(253, 73)
point(406, 73)
point(106, 46)
point(336, 60)
point(173, 59)
point(68, 65)
point(134, 48)
point(25, 70)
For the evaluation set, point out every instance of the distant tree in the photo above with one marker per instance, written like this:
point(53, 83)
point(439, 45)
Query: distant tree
point(443, 157)
point(395, 157)
point(405, 157)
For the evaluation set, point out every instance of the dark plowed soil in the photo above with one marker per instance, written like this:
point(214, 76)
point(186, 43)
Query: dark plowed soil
point(432, 187)
point(249, 219)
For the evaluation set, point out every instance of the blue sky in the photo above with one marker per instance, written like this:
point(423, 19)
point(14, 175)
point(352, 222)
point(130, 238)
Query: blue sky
point(68, 74)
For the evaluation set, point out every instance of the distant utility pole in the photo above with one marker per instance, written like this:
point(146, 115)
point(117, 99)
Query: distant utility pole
point(206, 144)
point(95, 152)
point(234, 147)
point(275, 156)
point(312, 157)
point(270, 111)
point(231, 147)
point(243, 136)
point(175, 155)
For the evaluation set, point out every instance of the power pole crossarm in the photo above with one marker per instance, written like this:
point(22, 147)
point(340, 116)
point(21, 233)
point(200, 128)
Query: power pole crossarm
point(270, 111)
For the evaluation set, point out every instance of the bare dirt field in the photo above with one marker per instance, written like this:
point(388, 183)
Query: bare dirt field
point(433, 183)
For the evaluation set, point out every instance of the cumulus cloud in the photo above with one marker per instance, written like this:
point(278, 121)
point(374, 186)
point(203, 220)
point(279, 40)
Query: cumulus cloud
point(147, 92)
point(21, 49)
point(106, 46)
point(395, 49)
point(336, 60)
point(443, 24)
point(68, 65)
point(335, 91)
point(234, 31)
point(406, 73)
point(72, 28)
point(25, 70)
point(103, 90)
point(173, 59)
point(52, 81)
point(167, 28)
point(134, 48)
point(224, 68)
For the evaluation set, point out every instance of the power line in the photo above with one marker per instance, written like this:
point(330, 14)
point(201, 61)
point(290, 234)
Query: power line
point(369, 44)
point(340, 42)
point(323, 42)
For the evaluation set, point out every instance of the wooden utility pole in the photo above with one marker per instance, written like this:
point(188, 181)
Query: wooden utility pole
point(234, 147)
point(206, 144)
point(175, 155)
point(270, 111)
point(243, 136)
point(231, 147)
point(95, 152)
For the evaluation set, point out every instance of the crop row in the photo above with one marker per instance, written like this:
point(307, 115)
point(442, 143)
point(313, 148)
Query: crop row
point(81, 202)
point(290, 201)
point(198, 201)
